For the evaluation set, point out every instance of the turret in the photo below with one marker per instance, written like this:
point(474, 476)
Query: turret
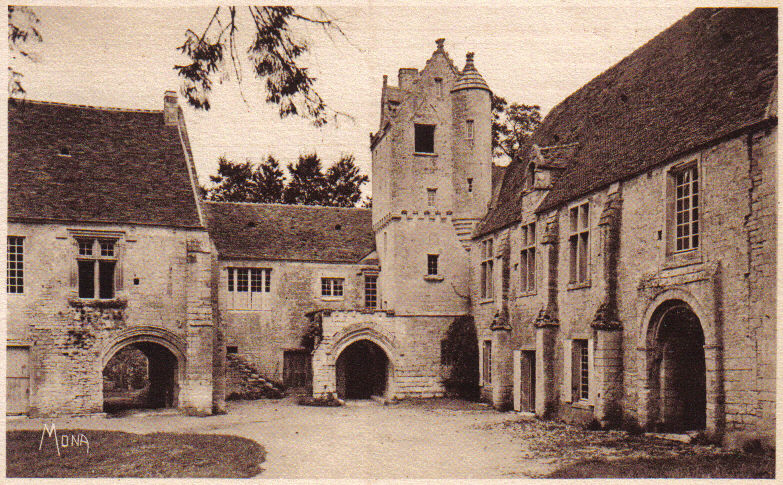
point(472, 145)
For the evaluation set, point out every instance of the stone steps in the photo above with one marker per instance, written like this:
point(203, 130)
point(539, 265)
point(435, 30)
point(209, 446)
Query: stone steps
point(246, 382)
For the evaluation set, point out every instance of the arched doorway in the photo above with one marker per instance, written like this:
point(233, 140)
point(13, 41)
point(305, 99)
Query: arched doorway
point(362, 371)
point(677, 374)
point(141, 374)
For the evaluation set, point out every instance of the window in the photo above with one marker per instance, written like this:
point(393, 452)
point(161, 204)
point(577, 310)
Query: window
point(686, 185)
point(15, 265)
point(579, 242)
point(370, 290)
point(246, 287)
point(432, 264)
point(424, 138)
point(528, 258)
point(96, 263)
point(331, 286)
point(486, 363)
point(431, 195)
point(470, 185)
point(469, 130)
point(580, 370)
point(487, 256)
point(439, 87)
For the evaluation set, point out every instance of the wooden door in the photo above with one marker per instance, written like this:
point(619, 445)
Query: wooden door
point(527, 376)
point(17, 380)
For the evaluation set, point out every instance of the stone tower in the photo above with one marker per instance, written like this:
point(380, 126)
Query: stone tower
point(432, 161)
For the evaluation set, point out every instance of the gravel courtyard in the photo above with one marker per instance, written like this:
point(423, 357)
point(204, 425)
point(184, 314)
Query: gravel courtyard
point(418, 439)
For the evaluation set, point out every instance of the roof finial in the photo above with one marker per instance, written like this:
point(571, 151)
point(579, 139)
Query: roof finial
point(439, 43)
point(469, 62)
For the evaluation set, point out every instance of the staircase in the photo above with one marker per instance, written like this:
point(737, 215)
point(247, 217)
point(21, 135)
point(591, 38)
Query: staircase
point(245, 382)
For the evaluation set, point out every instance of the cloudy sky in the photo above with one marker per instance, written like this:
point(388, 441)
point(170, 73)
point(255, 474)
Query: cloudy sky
point(123, 57)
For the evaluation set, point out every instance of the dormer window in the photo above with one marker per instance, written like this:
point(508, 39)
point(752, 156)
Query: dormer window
point(424, 138)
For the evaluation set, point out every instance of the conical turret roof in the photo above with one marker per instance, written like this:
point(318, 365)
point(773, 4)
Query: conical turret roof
point(470, 77)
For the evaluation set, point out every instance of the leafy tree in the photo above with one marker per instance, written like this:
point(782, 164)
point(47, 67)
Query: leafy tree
point(307, 185)
point(274, 54)
point(232, 182)
point(344, 182)
point(22, 30)
point(267, 182)
point(512, 126)
point(127, 369)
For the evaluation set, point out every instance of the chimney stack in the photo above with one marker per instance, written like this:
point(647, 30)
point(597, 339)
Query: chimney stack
point(170, 108)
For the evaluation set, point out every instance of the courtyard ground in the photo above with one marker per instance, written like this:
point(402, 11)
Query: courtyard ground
point(415, 439)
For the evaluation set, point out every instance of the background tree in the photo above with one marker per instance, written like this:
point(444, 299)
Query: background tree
point(267, 182)
point(22, 31)
point(307, 185)
point(233, 182)
point(274, 54)
point(344, 182)
point(512, 126)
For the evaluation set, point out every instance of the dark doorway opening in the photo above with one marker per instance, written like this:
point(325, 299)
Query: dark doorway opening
point(142, 375)
point(527, 376)
point(678, 376)
point(362, 371)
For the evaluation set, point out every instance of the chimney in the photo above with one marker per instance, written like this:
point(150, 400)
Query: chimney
point(406, 76)
point(170, 108)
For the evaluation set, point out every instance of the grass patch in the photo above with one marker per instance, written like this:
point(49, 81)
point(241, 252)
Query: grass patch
point(728, 465)
point(118, 454)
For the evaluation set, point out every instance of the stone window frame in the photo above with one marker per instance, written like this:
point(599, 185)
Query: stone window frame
point(258, 277)
point(419, 131)
point(329, 288)
point(432, 196)
point(470, 133)
point(486, 363)
point(97, 253)
point(438, 86)
point(579, 372)
point(674, 257)
point(486, 269)
point(579, 236)
point(14, 276)
point(528, 284)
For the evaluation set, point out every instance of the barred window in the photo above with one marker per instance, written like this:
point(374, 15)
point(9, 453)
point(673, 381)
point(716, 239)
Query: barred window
point(15, 265)
point(331, 286)
point(581, 369)
point(686, 183)
point(528, 258)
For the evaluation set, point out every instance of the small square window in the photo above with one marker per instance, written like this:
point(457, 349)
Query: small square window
point(85, 247)
point(107, 248)
point(431, 197)
point(331, 286)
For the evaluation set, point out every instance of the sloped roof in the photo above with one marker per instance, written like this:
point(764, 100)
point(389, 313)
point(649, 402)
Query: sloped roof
point(125, 166)
point(243, 230)
point(470, 78)
point(707, 76)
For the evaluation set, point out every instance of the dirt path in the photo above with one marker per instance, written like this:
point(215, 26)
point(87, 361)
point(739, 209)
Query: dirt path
point(435, 439)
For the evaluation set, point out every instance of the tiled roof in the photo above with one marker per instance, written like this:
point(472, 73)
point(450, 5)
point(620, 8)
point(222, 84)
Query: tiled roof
point(705, 77)
point(470, 78)
point(124, 166)
point(289, 232)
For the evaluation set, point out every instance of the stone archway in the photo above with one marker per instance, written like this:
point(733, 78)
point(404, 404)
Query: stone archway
point(165, 361)
point(675, 369)
point(362, 370)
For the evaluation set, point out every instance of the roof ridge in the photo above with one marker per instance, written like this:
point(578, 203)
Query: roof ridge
point(86, 106)
point(280, 204)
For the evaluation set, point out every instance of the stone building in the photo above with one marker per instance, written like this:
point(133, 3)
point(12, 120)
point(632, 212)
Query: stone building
point(628, 270)
point(106, 249)
point(274, 265)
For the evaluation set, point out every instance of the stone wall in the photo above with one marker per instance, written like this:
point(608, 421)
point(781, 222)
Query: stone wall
point(162, 296)
point(262, 335)
point(412, 345)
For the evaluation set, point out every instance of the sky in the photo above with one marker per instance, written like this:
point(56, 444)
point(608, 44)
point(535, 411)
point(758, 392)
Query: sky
point(124, 57)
